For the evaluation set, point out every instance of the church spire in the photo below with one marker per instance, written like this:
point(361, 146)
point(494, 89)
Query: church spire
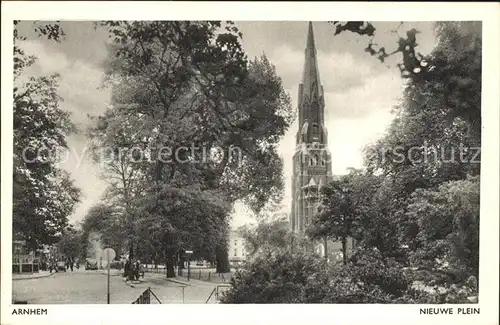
point(312, 159)
point(310, 78)
point(310, 37)
point(311, 101)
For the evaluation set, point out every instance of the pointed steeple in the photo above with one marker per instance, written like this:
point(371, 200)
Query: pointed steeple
point(310, 77)
point(310, 37)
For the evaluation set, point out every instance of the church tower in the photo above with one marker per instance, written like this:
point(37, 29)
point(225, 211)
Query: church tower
point(312, 160)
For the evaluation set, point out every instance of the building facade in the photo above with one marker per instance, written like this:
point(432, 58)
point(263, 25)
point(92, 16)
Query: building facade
point(312, 161)
point(24, 260)
point(236, 248)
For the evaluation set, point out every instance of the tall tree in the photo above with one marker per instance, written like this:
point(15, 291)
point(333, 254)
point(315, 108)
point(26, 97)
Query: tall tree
point(190, 86)
point(431, 147)
point(179, 219)
point(267, 236)
point(338, 213)
point(448, 220)
point(70, 244)
point(43, 195)
point(105, 221)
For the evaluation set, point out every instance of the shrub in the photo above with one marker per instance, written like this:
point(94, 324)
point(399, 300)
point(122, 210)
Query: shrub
point(287, 277)
point(273, 278)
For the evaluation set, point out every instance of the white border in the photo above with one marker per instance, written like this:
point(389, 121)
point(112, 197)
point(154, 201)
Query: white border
point(272, 314)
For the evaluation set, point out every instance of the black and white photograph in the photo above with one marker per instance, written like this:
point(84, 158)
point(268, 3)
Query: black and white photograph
point(173, 161)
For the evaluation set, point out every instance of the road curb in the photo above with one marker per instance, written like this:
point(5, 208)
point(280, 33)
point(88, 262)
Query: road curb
point(110, 274)
point(162, 276)
point(33, 277)
point(178, 282)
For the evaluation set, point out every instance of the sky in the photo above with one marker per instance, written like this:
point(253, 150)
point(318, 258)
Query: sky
point(359, 90)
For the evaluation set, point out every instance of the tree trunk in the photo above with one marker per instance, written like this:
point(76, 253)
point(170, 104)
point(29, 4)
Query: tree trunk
point(170, 262)
point(181, 260)
point(344, 250)
point(222, 259)
point(131, 250)
point(326, 249)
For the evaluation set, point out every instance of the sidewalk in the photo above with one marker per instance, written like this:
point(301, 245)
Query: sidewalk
point(179, 289)
point(112, 272)
point(181, 280)
point(26, 276)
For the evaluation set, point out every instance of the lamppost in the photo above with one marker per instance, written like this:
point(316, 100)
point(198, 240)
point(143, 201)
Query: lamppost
point(110, 255)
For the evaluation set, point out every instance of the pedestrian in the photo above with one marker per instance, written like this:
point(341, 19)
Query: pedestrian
point(131, 271)
point(71, 263)
point(126, 269)
point(141, 270)
point(136, 270)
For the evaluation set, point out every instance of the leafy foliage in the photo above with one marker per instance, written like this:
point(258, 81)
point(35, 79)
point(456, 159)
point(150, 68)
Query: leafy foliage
point(449, 226)
point(179, 219)
point(429, 148)
point(337, 216)
point(452, 70)
point(273, 278)
point(43, 195)
point(180, 92)
point(295, 277)
point(268, 236)
point(104, 220)
point(70, 244)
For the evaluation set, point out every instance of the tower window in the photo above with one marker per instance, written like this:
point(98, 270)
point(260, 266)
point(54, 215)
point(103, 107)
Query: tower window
point(315, 130)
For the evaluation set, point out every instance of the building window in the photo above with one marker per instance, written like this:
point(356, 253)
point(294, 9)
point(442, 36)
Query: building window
point(315, 132)
point(313, 161)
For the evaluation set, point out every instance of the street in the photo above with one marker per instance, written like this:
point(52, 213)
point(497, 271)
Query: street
point(89, 287)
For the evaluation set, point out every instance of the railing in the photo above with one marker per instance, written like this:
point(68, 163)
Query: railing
point(153, 269)
point(202, 274)
point(145, 297)
point(217, 291)
point(25, 264)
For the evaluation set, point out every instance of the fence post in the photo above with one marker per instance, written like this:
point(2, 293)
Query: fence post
point(199, 275)
point(182, 294)
point(209, 273)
